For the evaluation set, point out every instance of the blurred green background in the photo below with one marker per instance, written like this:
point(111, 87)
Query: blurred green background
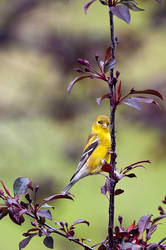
point(43, 131)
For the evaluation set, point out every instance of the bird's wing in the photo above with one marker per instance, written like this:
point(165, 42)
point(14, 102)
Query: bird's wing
point(88, 150)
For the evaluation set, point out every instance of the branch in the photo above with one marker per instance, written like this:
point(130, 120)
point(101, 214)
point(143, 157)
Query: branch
point(63, 235)
point(113, 137)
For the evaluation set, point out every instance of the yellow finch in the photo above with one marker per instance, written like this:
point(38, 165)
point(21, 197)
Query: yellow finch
point(95, 153)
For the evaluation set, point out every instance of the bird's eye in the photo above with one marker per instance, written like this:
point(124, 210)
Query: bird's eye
point(100, 122)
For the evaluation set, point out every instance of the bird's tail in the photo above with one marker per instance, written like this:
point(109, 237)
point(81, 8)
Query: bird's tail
point(67, 188)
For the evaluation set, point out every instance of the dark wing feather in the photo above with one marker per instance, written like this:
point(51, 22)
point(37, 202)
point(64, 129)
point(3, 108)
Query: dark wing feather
point(86, 154)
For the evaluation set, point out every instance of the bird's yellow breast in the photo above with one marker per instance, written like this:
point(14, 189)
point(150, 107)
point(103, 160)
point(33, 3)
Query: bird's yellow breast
point(100, 153)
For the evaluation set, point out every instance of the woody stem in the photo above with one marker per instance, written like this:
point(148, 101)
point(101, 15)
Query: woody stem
point(113, 138)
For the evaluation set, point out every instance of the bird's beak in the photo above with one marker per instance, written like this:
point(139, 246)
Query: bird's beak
point(104, 125)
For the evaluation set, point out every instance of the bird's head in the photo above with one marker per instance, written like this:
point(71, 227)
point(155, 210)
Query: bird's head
point(101, 123)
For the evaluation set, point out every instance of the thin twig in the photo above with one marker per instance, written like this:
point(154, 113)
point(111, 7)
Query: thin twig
point(63, 235)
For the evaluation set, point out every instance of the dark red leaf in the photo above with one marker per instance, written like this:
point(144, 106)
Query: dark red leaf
point(118, 191)
point(164, 201)
point(33, 230)
point(6, 190)
point(122, 235)
point(107, 54)
point(49, 242)
point(21, 185)
point(3, 212)
point(27, 196)
point(122, 12)
point(86, 6)
point(26, 241)
point(102, 247)
point(58, 196)
point(120, 219)
point(159, 218)
point(100, 99)
point(144, 223)
point(161, 210)
point(107, 168)
point(80, 221)
point(78, 78)
point(132, 175)
point(103, 2)
point(45, 213)
point(147, 91)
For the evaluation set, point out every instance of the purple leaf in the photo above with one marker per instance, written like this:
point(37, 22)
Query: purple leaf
point(132, 103)
point(86, 6)
point(78, 78)
point(147, 91)
point(49, 242)
point(153, 246)
point(122, 12)
point(145, 100)
point(57, 196)
point(26, 241)
point(128, 245)
point(60, 223)
point(100, 99)
point(162, 240)
point(150, 231)
point(106, 187)
point(144, 223)
point(110, 64)
point(135, 101)
point(159, 1)
point(118, 191)
point(80, 221)
point(45, 205)
point(45, 213)
point(132, 5)
point(21, 185)
point(14, 214)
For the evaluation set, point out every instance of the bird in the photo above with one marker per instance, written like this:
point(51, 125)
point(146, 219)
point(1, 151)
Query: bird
point(95, 153)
